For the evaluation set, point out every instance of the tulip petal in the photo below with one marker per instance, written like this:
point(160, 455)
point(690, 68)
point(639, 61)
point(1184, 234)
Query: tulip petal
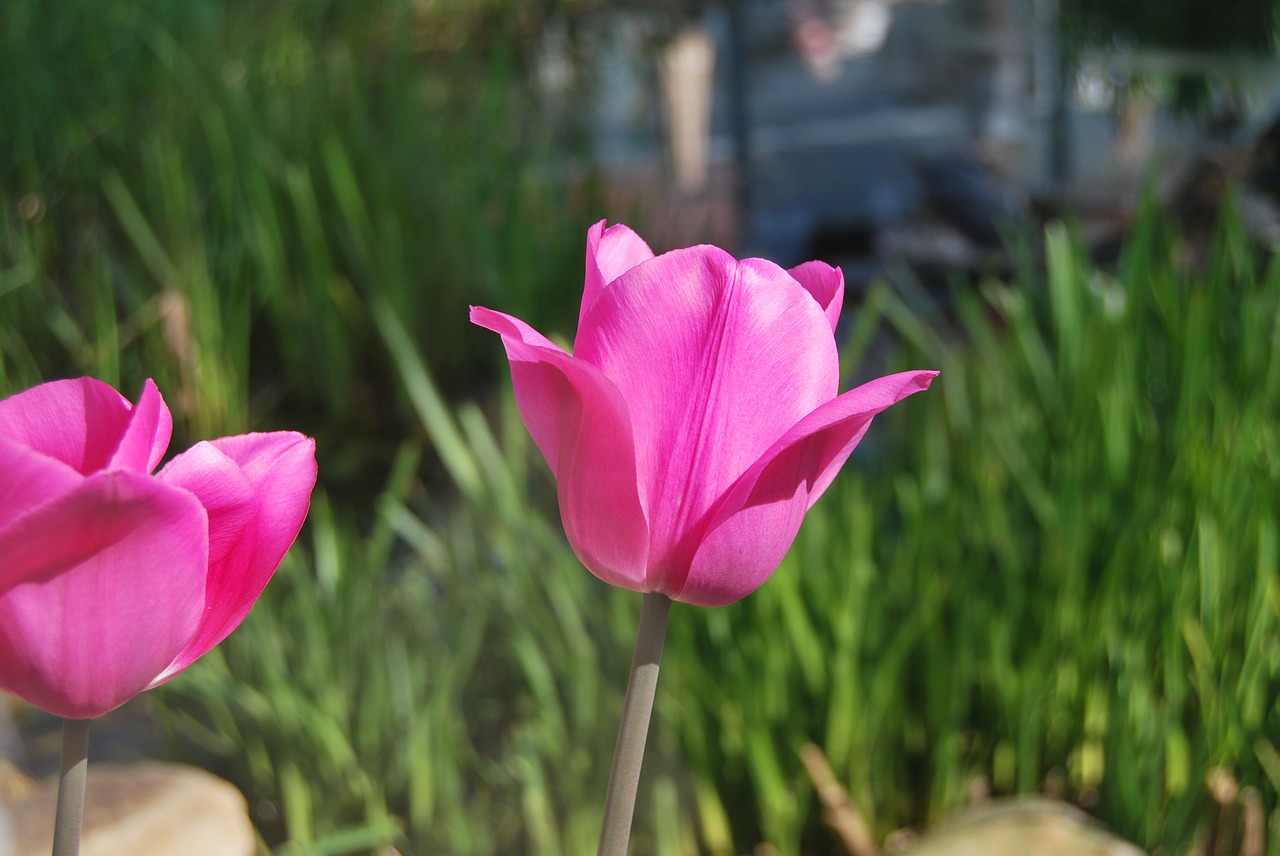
point(146, 437)
point(716, 359)
point(826, 284)
point(30, 481)
point(280, 470)
point(79, 422)
point(611, 252)
point(751, 529)
point(222, 488)
point(98, 591)
point(581, 425)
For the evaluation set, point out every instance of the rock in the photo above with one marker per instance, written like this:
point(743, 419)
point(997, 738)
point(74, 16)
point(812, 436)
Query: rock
point(147, 809)
point(1021, 827)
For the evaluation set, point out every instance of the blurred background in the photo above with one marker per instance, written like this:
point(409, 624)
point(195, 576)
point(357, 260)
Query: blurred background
point(1054, 574)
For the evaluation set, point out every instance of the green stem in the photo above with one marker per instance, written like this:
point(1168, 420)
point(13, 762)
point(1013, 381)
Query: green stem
point(624, 778)
point(75, 763)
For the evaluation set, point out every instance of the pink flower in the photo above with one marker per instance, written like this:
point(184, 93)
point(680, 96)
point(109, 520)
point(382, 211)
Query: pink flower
point(698, 417)
point(113, 580)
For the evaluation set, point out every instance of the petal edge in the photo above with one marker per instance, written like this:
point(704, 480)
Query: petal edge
point(280, 467)
point(581, 424)
point(752, 527)
point(611, 252)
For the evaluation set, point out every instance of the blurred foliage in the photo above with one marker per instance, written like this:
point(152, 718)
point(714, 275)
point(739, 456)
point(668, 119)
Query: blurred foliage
point(1189, 25)
point(1062, 564)
point(1059, 564)
point(1197, 43)
point(211, 193)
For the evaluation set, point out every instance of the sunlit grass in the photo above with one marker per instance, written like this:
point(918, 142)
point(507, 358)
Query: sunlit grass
point(1060, 563)
point(1063, 559)
point(213, 194)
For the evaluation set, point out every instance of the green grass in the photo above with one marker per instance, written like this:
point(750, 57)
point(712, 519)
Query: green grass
point(213, 193)
point(1062, 558)
point(1060, 562)
point(448, 680)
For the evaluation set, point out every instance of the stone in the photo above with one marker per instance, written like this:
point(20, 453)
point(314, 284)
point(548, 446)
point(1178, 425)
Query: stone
point(1021, 827)
point(146, 809)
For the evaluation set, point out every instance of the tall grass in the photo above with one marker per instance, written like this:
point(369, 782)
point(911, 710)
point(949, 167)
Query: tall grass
point(1062, 561)
point(1061, 565)
point(211, 193)
point(443, 682)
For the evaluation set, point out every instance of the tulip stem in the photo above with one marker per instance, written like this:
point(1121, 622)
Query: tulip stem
point(624, 778)
point(75, 763)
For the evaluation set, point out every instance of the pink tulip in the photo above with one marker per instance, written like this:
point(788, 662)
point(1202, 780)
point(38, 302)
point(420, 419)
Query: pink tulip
point(113, 580)
point(697, 419)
